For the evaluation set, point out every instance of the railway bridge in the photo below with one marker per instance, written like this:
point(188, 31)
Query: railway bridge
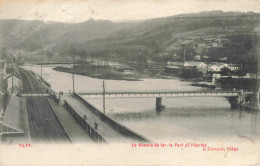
point(236, 98)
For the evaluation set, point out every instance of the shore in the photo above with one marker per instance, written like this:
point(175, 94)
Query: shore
point(101, 72)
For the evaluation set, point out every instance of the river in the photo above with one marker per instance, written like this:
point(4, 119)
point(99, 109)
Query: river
point(189, 118)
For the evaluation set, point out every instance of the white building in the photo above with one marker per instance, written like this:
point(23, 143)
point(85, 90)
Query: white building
point(199, 65)
point(234, 67)
point(223, 58)
point(216, 67)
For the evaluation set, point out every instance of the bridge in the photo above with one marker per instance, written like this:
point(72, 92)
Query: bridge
point(35, 95)
point(167, 94)
point(235, 97)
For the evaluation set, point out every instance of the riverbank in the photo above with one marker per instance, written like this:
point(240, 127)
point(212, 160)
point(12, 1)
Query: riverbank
point(101, 72)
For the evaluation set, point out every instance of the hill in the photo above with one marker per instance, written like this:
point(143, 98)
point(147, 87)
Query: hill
point(139, 41)
point(35, 34)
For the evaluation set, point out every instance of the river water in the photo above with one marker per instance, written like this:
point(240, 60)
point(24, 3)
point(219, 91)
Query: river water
point(190, 118)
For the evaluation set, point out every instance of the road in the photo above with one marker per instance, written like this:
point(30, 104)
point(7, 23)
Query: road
point(44, 126)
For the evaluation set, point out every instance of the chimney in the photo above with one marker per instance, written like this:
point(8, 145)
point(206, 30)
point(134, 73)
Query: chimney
point(183, 53)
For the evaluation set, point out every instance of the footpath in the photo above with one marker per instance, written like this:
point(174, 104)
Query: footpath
point(76, 133)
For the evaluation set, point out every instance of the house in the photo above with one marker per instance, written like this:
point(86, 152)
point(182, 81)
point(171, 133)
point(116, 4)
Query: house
point(234, 67)
point(215, 76)
point(223, 58)
point(216, 67)
point(215, 44)
point(197, 58)
point(196, 64)
point(173, 67)
point(200, 66)
point(251, 75)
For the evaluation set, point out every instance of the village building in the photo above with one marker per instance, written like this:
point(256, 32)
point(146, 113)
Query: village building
point(197, 58)
point(223, 58)
point(252, 76)
point(234, 67)
point(215, 77)
point(200, 66)
point(174, 67)
point(216, 67)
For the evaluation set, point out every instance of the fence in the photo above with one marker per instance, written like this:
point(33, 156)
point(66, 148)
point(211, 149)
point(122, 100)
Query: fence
point(87, 127)
point(115, 125)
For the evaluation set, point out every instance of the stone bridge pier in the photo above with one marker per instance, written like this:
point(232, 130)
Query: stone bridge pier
point(159, 104)
point(237, 101)
point(234, 102)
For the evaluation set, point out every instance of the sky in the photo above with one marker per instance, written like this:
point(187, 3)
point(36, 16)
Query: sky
point(115, 10)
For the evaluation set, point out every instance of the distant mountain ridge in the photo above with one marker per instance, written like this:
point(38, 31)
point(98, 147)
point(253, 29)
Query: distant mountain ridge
point(34, 35)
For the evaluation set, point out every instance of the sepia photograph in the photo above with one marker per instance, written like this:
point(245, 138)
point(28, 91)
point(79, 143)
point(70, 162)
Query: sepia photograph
point(127, 82)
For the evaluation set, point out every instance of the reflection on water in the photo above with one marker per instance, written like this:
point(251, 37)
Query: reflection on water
point(191, 118)
point(184, 118)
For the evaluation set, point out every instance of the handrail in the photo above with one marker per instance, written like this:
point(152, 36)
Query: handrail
point(165, 92)
point(115, 125)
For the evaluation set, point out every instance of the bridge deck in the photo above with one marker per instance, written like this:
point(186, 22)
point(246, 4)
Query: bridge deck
point(161, 94)
point(35, 95)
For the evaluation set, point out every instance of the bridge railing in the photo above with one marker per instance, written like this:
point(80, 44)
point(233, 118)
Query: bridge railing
point(35, 95)
point(95, 135)
point(115, 125)
point(166, 94)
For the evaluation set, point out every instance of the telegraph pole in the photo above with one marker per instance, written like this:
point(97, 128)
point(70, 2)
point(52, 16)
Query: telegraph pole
point(104, 92)
point(73, 76)
point(13, 73)
point(41, 72)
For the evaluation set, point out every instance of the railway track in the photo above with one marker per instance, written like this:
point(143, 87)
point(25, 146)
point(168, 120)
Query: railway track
point(43, 124)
